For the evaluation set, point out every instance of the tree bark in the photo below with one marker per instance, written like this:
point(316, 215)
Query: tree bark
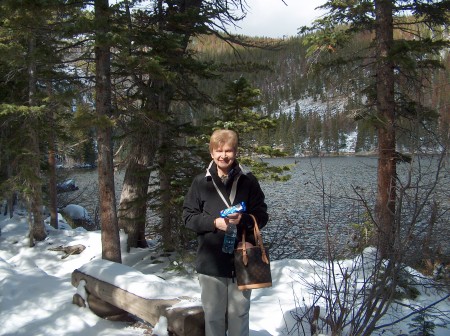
point(52, 166)
point(133, 200)
point(37, 227)
point(107, 200)
point(386, 192)
point(166, 195)
point(52, 184)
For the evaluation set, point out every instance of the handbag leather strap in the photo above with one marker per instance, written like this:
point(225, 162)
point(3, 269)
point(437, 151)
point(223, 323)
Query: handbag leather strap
point(259, 243)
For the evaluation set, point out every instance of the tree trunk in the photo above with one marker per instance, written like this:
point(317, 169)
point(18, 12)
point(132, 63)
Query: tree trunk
point(133, 200)
point(107, 199)
point(386, 193)
point(52, 184)
point(52, 166)
point(37, 227)
point(165, 192)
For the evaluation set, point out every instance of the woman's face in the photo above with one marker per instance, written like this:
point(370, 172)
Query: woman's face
point(224, 157)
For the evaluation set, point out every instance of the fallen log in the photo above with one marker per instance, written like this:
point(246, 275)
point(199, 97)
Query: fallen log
point(182, 321)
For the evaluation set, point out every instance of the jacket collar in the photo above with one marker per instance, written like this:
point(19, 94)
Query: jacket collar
point(243, 170)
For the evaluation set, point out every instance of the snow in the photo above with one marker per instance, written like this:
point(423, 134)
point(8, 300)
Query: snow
point(310, 105)
point(75, 211)
point(147, 286)
point(36, 291)
point(332, 107)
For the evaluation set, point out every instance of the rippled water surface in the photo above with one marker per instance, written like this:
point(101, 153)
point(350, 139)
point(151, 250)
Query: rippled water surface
point(324, 200)
point(321, 202)
point(319, 197)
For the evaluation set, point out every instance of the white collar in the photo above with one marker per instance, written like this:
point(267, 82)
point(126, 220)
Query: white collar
point(244, 169)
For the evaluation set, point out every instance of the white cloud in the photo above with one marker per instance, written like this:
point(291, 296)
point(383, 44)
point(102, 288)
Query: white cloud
point(278, 18)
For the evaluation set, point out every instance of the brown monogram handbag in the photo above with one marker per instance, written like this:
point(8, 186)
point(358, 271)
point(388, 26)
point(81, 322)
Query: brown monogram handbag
point(252, 264)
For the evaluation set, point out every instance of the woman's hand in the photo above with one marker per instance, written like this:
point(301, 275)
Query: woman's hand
point(222, 223)
point(234, 218)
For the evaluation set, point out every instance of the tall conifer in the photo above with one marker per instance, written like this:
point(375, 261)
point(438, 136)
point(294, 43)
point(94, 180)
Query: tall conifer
point(393, 59)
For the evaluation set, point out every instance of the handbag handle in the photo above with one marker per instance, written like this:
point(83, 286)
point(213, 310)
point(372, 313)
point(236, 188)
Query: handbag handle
point(259, 243)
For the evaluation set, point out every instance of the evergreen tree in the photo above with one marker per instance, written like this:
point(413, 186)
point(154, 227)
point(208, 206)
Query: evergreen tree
point(236, 105)
point(31, 38)
point(155, 59)
point(394, 59)
point(46, 28)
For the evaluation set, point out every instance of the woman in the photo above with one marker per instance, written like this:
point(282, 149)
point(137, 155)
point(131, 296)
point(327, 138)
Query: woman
point(224, 184)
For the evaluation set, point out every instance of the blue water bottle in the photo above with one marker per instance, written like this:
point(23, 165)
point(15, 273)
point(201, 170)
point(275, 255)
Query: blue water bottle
point(230, 238)
point(231, 232)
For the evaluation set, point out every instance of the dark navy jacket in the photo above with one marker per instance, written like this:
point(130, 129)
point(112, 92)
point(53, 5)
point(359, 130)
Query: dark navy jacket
point(203, 204)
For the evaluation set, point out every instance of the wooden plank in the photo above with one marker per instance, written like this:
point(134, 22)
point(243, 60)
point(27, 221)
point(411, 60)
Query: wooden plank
point(147, 309)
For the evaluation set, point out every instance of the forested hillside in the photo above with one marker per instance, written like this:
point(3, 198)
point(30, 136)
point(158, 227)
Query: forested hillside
point(319, 112)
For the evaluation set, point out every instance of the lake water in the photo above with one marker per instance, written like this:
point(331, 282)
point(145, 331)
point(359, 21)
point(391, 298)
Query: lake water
point(317, 202)
point(323, 201)
point(320, 202)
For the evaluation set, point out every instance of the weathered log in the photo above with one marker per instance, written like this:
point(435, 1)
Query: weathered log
point(186, 321)
point(181, 321)
point(78, 300)
point(101, 308)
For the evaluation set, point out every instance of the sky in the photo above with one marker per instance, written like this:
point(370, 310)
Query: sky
point(278, 18)
point(36, 291)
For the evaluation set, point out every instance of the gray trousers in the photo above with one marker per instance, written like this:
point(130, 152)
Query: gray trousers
point(224, 305)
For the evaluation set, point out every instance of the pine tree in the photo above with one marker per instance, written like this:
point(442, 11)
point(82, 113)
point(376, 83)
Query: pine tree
point(155, 59)
point(28, 33)
point(237, 104)
point(395, 58)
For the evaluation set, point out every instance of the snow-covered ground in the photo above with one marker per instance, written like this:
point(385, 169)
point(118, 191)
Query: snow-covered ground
point(36, 291)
